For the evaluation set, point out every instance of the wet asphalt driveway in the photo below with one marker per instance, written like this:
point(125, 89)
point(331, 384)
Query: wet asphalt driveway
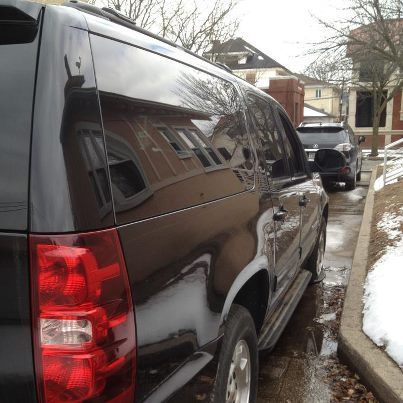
point(297, 370)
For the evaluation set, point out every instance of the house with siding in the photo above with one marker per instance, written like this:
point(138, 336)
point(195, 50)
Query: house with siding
point(259, 69)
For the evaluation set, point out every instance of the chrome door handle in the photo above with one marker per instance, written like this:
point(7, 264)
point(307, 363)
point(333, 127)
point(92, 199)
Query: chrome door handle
point(280, 214)
point(303, 201)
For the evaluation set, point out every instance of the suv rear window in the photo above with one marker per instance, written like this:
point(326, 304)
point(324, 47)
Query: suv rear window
point(322, 135)
point(17, 77)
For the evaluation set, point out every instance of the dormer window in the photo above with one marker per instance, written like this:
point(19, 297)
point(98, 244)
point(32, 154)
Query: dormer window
point(243, 60)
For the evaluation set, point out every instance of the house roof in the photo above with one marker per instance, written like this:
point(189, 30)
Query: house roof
point(256, 60)
point(310, 111)
point(312, 81)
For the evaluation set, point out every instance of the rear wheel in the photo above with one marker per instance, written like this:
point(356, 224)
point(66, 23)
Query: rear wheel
point(358, 176)
point(351, 183)
point(237, 373)
point(315, 260)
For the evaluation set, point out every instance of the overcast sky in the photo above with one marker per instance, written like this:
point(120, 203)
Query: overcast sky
point(283, 29)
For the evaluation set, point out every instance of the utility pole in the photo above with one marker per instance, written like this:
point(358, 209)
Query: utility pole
point(341, 101)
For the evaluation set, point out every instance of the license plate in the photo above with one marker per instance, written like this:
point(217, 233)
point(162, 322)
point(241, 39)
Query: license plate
point(311, 156)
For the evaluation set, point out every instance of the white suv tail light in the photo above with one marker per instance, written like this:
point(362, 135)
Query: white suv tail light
point(343, 147)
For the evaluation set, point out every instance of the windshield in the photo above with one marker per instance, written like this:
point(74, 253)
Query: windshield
point(322, 135)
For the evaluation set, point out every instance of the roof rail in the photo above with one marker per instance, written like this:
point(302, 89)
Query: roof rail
point(223, 66)
point(119, 18)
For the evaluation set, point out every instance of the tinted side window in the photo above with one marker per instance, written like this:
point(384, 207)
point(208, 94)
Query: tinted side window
point(175, 136)
point(291, 147)
point(17, 78)
point(269, 137)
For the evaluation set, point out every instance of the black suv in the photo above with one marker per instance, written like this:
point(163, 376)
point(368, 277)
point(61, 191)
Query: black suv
point(158, 219)
point(339, 136)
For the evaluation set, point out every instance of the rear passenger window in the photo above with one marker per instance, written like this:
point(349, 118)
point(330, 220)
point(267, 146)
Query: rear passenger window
point(175, 136)
point(291, 147)
point(270, 138)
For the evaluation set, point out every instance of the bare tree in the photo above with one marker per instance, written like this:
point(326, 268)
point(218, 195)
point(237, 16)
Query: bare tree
point(143, 12)
point(193, 25)
point(330, 69)
point(195, 28)
point(370, 39)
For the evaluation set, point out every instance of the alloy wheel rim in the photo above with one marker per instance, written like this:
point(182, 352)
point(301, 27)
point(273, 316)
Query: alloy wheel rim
point(239, 377)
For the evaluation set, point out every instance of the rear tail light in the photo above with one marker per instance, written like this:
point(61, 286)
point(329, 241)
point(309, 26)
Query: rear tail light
point(84, 329)
point(345, 170)
point(343, 147)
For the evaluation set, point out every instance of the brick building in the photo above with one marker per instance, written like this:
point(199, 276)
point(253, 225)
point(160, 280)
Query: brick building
point(259, 69)
point(364, 72)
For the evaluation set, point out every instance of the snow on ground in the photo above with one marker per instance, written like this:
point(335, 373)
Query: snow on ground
point(393, 172)
point(390, 224)
point(382, 321)
point(356, 195)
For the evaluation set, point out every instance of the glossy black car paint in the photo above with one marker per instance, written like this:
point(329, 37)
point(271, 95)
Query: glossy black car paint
point(189, 260)
point(18, 57)
point(16, 99)
point(17, 381)
point(69, 176)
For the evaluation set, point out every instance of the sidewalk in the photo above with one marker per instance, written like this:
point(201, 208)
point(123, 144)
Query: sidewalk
point(374, 366)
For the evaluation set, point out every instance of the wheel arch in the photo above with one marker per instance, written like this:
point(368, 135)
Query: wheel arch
point(325, 212)
point(251, 289)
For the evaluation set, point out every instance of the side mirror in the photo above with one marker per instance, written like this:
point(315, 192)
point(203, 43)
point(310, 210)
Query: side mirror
point(328, 159)
point(361, 139)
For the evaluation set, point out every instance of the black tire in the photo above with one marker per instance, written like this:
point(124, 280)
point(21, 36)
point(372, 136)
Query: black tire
point(351, 184)
point(239, 327)
point(358, 176)
point(314, 263)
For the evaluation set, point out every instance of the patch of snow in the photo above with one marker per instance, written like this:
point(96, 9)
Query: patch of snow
point(326, 317)
point(394, 170)
point(329, 347)
point(390, 223)
point(378, 184)
point(382, 302)
point(356, 195)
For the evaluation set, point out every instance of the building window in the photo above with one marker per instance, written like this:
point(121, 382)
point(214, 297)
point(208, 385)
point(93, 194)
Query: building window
point(371, 70)
point(318, 93)
point(251, 78)
point(364, 110)
point(174, 142)
point(204, 153)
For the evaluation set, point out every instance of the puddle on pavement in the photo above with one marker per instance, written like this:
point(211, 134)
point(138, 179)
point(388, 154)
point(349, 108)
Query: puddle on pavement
point(303, 367)
point(295, 371)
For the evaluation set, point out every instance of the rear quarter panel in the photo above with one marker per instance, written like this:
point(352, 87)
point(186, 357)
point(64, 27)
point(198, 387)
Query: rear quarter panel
point(17, 382)
point(181, 267)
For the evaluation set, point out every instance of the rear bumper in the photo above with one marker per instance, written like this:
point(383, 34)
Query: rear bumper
point(328, 177)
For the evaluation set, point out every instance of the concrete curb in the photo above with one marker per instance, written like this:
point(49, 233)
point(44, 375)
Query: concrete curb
point(374, 366)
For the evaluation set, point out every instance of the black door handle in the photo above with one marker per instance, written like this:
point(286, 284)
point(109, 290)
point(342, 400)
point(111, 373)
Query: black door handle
point(280, 214)
point(303, 201)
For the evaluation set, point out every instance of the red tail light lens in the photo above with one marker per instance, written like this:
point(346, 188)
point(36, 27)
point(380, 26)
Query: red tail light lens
point(345, 170)
point(84, 329)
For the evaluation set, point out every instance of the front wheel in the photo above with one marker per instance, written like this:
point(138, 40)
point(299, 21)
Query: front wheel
point(315, 260)
point(238, 366)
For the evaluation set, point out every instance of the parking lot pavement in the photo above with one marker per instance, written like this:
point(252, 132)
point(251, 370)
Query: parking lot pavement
point(297, 370)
